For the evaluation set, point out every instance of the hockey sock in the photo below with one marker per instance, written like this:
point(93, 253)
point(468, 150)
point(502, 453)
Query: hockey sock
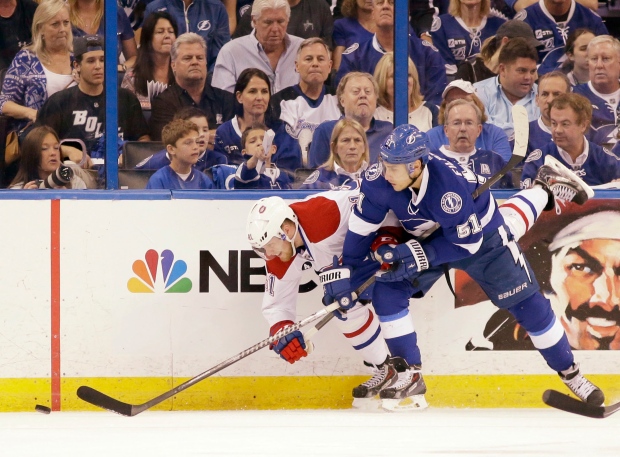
point(535, 315)
point(362, 331)
point(400, 336)
point(521, 210)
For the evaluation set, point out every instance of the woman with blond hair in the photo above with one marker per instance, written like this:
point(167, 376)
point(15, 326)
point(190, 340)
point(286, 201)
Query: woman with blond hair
point(348, 158)
point(40, 69)
point(421, 114)
point(459, 34)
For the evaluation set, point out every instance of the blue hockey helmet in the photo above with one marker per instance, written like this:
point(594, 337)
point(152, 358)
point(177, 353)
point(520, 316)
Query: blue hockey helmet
point(405, 144)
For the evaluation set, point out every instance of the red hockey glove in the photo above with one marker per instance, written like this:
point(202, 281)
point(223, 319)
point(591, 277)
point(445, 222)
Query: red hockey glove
point(291, 347)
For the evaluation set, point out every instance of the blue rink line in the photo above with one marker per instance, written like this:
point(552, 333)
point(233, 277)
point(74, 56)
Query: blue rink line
point(50, 194)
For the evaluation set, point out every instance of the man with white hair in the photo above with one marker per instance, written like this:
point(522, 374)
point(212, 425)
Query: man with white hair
point(269, 48)
point(603, 89)
point(585, 278)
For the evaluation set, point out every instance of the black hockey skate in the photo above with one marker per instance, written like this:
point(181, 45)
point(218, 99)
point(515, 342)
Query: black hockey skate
point(407, 391)
point(581, 387)
point(365, 394)
point(562, 183)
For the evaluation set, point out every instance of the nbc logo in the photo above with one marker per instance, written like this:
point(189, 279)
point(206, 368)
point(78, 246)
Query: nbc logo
point(170, 278)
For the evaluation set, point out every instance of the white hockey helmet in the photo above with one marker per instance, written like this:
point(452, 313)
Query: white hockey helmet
point(265, 222)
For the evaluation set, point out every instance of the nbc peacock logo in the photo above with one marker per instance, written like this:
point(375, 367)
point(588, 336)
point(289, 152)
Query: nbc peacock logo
point(158, 273)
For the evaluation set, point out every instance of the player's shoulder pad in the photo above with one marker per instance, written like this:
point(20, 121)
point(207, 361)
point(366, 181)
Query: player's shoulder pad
point(373, 172)
point(313, 177)
point(351, 48)
point(436, 25)
point(534, 155)
point(521, 15)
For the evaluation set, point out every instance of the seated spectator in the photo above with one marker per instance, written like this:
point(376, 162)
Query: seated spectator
point(603, 90)
point(258, 171)
point(513, 85)
point(459, 34)
point(356, 26)
point(570, 119)
point(463, 125)
point(491, 138)
point(86, 19)
point(207, 158)
point(252, 106)
point(564, 59)
point(357, 99)
point(40, 158)
point(552, 19)
point(268, 48)
point(79, 112)
point(304, 106)
point(550, 86)
point(308, 19)
point(40, 69)
point(365, 56)
point(180, 137)
point(421, 114)
point(152, 72)
point(15, 28)
point(207, 18)
point(486, 64)
point(348, 159)
point(191, 88)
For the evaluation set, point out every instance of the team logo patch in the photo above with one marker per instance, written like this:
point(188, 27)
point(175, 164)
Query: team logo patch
point(520, 16)
point(243, 10)
point(426, 43)
point(313, 177)
point(436, 24)
point(373, 172)
point(204, 25)
point(351, 48)
point(534, 155)
point(451, 202)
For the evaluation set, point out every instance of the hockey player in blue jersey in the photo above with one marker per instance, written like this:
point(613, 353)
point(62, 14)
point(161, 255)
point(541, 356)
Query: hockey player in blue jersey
point(570, 120)
point(180, 137)
point(426, 192)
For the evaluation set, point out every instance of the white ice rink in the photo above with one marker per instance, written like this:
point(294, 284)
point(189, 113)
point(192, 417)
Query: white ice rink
point(434, 432)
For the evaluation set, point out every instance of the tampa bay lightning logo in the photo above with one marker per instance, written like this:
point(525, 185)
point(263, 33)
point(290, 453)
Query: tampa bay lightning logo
point(203, 26)
point(411, 139)
point(534, 155)
point(373, 172)
point(451, 202)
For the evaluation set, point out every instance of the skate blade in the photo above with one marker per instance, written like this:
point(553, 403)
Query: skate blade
point(367, 404)
point(413, 403)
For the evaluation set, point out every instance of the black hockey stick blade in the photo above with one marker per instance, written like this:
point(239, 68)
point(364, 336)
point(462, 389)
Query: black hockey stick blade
point(94, 397)
point(522, 134)
point(569, 404)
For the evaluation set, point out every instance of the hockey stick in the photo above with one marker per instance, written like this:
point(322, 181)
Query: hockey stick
point(97, 398)
point(522, 133)
point(569, 404)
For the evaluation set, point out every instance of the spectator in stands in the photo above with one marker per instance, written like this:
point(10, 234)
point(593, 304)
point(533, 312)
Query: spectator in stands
point(207, 18)
point(357, 98)
point(258, 171)
point(15, 28)
point(268, 48)
point(180, 138)
point(364, 56)
point(421, 114)
point(570, 119)
point(459, 34)
point(152, 72)
point(519, 5)
point(576, 63)
point(551, 20)
point(86, 19)
point(348, 159)
point(491, 138)
point(208, 157)
point(514, 85)
point(189, 64)
point(357, 26)
point(463, 125)
point(79, 111)
point(603, 89)
point(40, 69)
point(304, 106)
point(309, 18)
point(40, 157)
point(550, 86)
point(486, 65)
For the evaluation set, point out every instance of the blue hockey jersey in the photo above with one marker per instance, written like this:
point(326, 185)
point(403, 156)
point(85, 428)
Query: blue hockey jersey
point(167, 178)
point(336, 179)
point(604, 115)
point(492, 138)
point(482, 162)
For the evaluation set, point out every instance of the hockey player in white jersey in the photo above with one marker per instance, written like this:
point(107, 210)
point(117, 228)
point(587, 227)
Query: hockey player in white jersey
point(425, 191)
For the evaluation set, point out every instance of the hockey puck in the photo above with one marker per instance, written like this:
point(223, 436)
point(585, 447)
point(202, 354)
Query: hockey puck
point(42, 409)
